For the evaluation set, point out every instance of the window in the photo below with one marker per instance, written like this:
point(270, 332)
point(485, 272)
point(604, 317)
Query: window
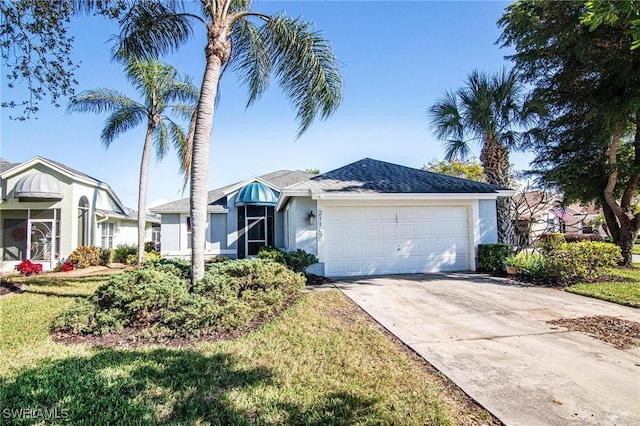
point(108, 230)
point(83, 222)
point(189, 231)
point(155, 234)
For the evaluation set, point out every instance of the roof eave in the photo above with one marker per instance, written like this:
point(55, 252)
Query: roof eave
point(412, 196)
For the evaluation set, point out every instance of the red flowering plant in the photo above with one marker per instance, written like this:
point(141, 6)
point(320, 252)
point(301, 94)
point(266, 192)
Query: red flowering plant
point(67, 266)
point(27, 267)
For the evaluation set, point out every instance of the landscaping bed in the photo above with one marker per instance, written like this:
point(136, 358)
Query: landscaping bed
point(321, 361)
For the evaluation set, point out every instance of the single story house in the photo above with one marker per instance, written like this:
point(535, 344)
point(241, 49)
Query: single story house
point(369, 217)
point(48, 209)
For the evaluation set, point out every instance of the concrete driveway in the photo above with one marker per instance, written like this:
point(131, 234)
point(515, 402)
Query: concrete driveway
point(491, 337)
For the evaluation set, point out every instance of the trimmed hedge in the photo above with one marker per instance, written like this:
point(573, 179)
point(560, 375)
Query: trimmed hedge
point(580, 261)
point(157, 302)
point(297, 261)
point(492, 257)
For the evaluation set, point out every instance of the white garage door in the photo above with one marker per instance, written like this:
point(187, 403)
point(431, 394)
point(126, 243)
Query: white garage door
point(394, 240)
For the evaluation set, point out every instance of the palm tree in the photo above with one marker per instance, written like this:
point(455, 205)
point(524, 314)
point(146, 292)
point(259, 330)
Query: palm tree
point(253, 44)
point(488, 110)
point(162, 91)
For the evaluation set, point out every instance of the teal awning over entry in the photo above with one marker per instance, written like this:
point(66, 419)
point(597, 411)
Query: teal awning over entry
point(256, 194)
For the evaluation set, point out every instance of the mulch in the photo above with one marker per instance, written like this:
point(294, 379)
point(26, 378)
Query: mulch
point(9, 287)
point(620, 333)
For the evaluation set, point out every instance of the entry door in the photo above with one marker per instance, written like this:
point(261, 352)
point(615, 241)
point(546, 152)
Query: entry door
point(256, 234)
point(255, 229)
point(42, 240)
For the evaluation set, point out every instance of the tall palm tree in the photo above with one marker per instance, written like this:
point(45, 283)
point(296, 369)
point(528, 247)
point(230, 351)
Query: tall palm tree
point(162, 91)
point(253, 44)
point(489, 110)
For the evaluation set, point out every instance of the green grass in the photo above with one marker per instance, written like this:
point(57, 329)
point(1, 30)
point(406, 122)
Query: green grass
point(636, 249)
point(625, 290)
point(320, 363)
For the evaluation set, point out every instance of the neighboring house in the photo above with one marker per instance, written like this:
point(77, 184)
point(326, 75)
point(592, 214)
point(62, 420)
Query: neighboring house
point(369, 217)
point(48, 209)
point(538, 212)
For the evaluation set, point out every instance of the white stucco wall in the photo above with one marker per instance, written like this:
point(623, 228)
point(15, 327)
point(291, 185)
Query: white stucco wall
point(488, 222)
point(301, 234)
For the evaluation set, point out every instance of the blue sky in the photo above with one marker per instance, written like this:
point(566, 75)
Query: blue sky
point(396, 59)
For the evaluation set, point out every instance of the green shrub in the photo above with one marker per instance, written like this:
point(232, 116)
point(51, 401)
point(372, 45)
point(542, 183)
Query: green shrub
point(85, 256)
point(246, 289)
point(581, 261)
point(179, 268)
point(299, 260)
point(143, 298)
point(121, 253)
point(271, 253)
point(155, 299)
point(550, 241)
point(148, 256)
point(532, 265)
point(492, 257)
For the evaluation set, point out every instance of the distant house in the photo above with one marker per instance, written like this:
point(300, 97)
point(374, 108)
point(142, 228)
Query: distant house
point(368, 217)
point(48, 209)
point(539, 212)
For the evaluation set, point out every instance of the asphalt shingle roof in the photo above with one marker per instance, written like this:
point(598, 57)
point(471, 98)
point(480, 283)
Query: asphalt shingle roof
point(215, 198)
point(374, 176)
point(6, 165)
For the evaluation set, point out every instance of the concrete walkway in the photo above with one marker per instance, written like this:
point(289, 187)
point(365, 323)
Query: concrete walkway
point(491, 337)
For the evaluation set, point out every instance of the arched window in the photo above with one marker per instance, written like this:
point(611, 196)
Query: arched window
point(83, 222)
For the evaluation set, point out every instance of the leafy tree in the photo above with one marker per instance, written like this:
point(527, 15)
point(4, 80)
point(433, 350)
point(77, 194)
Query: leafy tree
point(313, 171)
point(607, 12)
point(162, 91)
point(36, 48)
point(253, 44)
point(589, 143)
point(465, 169)
point(488, 110)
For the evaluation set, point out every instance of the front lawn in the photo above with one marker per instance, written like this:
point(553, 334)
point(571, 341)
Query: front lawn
point(636, 249)
point(623, 288)
point(321, 362)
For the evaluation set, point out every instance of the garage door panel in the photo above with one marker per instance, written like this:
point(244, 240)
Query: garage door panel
point(407, 230)
point(388, 230)
point(354, 231)
point(333, 214)
point(354, 250)
point(387, 240)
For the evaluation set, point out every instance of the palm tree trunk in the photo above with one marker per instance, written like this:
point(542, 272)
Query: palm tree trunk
point(200, 157)
point(142, 191)
point(495, 160)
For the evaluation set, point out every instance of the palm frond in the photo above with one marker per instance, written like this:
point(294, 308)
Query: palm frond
point(305, 66)
point(445, 117)
point(456, 149)
point(180, 89)
point(239, 5)
point(151, 29)
point(185, 150)
point(179, 142)
point(184, 111)
point(99, 101)
point(250, 58)
point(161, 139)
point(120, 121)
